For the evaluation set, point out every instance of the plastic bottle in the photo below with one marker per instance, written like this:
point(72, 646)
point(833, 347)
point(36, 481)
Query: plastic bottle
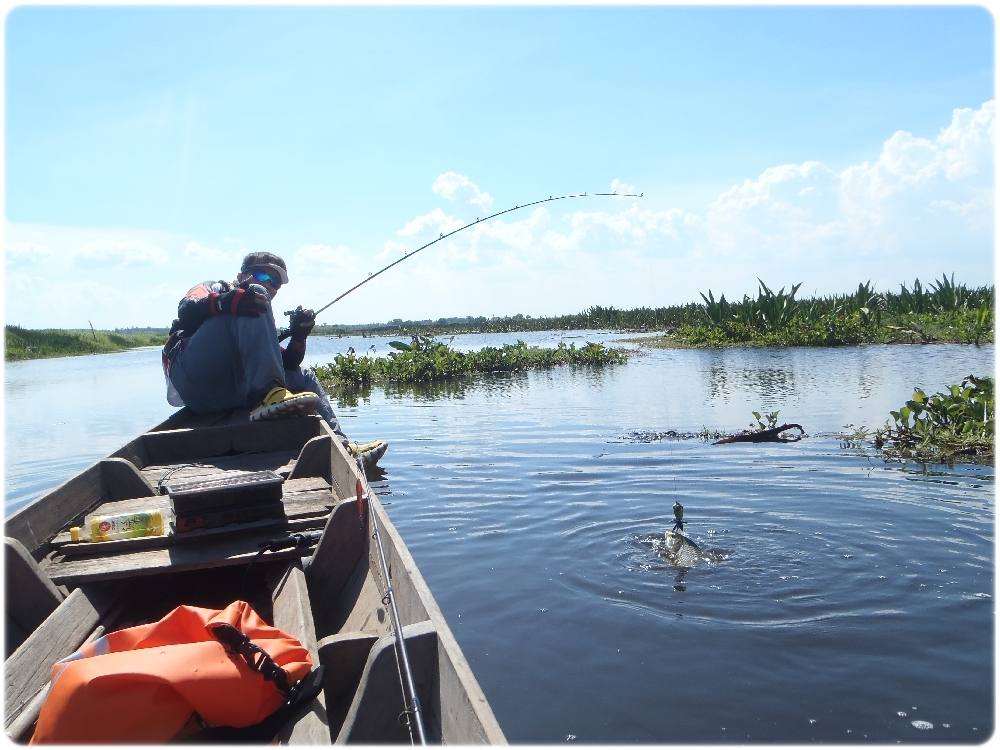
point(121, 526)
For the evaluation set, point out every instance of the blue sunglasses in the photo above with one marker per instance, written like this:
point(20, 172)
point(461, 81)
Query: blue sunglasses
point(266, 278)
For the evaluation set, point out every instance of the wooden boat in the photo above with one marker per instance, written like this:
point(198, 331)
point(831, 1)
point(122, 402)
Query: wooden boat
point(329, 591)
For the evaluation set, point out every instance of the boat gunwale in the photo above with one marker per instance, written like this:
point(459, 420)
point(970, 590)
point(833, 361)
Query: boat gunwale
point(407, 578)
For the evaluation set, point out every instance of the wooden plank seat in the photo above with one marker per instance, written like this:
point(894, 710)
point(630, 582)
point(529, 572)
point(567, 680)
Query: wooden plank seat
point(228, 550)
point(176, 446)
point(306, 505)
point(304, 502)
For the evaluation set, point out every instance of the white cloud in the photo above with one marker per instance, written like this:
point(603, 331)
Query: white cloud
point(455, 186)
point(15, 252)
point(130, 252)
point(617, 186)
point(437, 219)
point(920, 205)
point(928, 199)
point(326, 256)
point(201, 252)
point(34, 244)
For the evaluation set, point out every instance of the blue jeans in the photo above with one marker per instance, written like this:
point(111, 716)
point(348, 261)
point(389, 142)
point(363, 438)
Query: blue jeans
point(232, 361)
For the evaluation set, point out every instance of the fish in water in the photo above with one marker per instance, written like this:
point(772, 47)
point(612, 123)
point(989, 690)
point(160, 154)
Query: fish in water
point(680, 551)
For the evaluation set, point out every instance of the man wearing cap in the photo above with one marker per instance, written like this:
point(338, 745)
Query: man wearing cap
point(223, 352)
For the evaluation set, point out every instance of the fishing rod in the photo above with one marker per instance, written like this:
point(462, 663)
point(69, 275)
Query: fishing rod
point(285, 333)
point(411, 703)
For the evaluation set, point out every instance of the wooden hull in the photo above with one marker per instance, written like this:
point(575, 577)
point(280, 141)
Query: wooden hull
point(329, 593)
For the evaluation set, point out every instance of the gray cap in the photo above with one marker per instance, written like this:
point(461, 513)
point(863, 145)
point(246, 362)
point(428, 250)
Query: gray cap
point(266, 260)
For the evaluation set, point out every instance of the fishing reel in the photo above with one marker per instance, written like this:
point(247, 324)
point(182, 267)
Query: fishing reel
point(295, 318)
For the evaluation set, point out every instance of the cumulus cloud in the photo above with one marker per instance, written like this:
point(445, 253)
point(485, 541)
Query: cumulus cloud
point(436, 219)
point(15, 252)
point(920, 204)
point(925, 198)
point(128, 252)
point(617, 186)
point(35, 244)
point(198, 251)
point(920, 196)
point(455, 186)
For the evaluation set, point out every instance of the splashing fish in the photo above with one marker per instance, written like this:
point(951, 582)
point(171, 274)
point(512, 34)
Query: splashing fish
point(679, 550)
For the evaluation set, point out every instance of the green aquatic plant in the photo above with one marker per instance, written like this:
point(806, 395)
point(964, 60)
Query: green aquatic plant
point(957, 424)
point(854, 436)
point(716, 312)
point(759, 421)
point(944, 311)
point(981, 324)
point(426, 360)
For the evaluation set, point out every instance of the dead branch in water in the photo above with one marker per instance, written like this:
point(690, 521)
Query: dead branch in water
point(772, 435)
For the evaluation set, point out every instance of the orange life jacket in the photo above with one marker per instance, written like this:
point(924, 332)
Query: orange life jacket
point(144, 684)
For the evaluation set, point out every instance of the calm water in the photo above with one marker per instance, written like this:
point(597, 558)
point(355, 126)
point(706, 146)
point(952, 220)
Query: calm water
point(850, 601)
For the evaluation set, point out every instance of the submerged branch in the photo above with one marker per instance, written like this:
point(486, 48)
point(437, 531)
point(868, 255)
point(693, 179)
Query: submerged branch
point(770, 435)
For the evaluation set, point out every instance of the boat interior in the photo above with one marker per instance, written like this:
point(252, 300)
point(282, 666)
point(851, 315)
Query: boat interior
point(307, 565)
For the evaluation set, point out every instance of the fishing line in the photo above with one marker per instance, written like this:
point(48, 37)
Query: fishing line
point(516, 207)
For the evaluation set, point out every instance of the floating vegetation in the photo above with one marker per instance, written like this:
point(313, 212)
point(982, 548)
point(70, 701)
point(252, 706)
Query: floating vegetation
point(763, 425)
point(758, 425)
point(646, 436)
point(426, 360)
point(943, 427)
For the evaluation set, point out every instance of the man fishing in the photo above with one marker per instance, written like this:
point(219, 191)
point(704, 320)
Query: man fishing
point(223, 353)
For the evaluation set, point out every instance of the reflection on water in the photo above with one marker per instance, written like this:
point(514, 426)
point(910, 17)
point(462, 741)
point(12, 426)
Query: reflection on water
point(501, 383)
point(846, 590)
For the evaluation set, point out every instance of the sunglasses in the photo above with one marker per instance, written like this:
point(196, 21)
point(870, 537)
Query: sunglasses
point(266, 278)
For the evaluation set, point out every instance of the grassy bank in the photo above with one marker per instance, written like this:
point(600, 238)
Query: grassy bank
point(940, 312)
point(23, 343)
point(425, 360)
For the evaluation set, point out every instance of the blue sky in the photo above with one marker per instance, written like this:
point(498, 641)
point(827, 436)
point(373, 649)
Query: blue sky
point(147, 149)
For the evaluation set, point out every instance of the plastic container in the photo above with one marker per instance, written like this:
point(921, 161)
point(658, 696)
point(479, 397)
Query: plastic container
point(121, 526)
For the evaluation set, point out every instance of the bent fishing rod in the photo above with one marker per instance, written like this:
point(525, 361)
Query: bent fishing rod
point(285, 333)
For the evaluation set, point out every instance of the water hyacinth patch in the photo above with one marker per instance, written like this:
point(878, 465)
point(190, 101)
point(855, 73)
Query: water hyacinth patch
point(426, 360)
point(958, 424)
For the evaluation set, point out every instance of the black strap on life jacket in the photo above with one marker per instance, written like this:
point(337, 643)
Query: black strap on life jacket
point(257, 658)
point(296, 696)
point(299, 697)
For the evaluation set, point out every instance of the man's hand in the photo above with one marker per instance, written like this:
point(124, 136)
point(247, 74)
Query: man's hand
point(249, 302)
point(301, 323)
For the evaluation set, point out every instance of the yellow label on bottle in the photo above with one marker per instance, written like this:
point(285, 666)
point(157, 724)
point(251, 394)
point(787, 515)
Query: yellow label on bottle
point(126, 526)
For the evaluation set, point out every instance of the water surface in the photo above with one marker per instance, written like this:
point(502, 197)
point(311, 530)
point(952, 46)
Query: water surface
point(848, 600)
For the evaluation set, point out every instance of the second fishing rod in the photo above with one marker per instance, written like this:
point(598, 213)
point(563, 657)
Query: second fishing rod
point(297, 315)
